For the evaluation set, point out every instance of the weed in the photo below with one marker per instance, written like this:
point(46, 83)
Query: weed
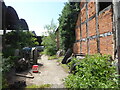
point(40, 86)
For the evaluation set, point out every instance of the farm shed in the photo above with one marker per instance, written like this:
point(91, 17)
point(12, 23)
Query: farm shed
point(97, 28)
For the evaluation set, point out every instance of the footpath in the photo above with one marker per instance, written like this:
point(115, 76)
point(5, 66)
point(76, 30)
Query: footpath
point(50, 72)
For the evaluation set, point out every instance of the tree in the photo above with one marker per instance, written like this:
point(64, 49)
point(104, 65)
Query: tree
point(67, 23)
point(49, 41)
point(18, 40)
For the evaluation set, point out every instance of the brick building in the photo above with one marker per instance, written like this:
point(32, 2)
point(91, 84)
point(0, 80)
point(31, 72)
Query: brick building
point(95, 28)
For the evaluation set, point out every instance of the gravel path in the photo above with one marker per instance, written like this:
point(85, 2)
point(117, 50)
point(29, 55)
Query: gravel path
point(50, 73)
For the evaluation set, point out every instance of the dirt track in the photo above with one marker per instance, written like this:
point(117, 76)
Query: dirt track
point(50, 73)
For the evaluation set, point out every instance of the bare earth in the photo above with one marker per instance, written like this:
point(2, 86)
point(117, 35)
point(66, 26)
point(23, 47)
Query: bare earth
point(50, 73)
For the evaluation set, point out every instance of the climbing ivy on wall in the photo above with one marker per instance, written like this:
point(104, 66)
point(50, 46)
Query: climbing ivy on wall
point(67, 23)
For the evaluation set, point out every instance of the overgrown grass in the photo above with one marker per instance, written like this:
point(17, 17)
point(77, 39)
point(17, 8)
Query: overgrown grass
point(66, 68)
point(40, 86)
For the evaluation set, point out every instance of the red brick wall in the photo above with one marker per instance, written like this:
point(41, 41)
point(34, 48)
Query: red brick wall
point(91, 9)
point(76, 48)
point(83, 14)
point(83, 28)
point(93, 46)
point(104, 26)
point(106, 45)
point(84, 47)
point(105, 22)
point(92, 27)
point(77, 33)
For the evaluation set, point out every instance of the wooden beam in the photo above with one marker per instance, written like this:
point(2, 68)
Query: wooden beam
point(23, 75)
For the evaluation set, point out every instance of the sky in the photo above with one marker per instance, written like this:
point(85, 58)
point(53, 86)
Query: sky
point(37, 13)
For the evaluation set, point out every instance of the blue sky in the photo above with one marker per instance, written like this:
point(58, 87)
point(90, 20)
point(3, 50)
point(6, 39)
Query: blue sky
point(37, 13)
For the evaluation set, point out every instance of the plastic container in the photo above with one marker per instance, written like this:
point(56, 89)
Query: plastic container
point(35, 68)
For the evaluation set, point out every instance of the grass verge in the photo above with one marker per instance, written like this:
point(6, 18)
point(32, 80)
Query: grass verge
point(66, 68)
point(52, 57)
point(40, 86)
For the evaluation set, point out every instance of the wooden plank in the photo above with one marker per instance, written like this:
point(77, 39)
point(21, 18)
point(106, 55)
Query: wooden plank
point(23, 75)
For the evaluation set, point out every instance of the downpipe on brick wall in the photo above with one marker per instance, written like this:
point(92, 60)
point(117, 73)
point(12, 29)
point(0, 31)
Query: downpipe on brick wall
point(116, 13)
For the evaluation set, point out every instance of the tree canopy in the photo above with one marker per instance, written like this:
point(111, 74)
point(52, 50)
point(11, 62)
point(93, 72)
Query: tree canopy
point(67, 23)
point(18, 40)
point(49, 41)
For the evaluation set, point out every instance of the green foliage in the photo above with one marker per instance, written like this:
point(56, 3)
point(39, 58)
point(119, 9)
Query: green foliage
point(8, 63)
point(14, 40)
point(17, 40)
point(67, 23)
point(4, 83)
point(52, 57)
point(93, 72)
point(20, 39)
point(41, 53)
point(49, 41)
point(40, 86)
point(50, 45)
point(60, 59)
point(65, 67)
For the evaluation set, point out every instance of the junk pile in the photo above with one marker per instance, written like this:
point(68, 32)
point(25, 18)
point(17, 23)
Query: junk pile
point(27, 57)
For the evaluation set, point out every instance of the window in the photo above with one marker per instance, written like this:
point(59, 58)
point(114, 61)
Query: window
point(103, 5)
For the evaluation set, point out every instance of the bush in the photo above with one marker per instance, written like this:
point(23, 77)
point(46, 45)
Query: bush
point(9, 51)
point(17, 40)
point(4, 83)
point(8, 63)
point(93, 72)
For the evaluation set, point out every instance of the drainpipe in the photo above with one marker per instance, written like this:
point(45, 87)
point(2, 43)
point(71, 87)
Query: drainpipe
point(116, 12)
point(97, 29)
point(0, 45)
point(0, 16)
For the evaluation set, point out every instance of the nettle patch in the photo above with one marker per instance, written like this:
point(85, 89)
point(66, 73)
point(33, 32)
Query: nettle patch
point(92, 72)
